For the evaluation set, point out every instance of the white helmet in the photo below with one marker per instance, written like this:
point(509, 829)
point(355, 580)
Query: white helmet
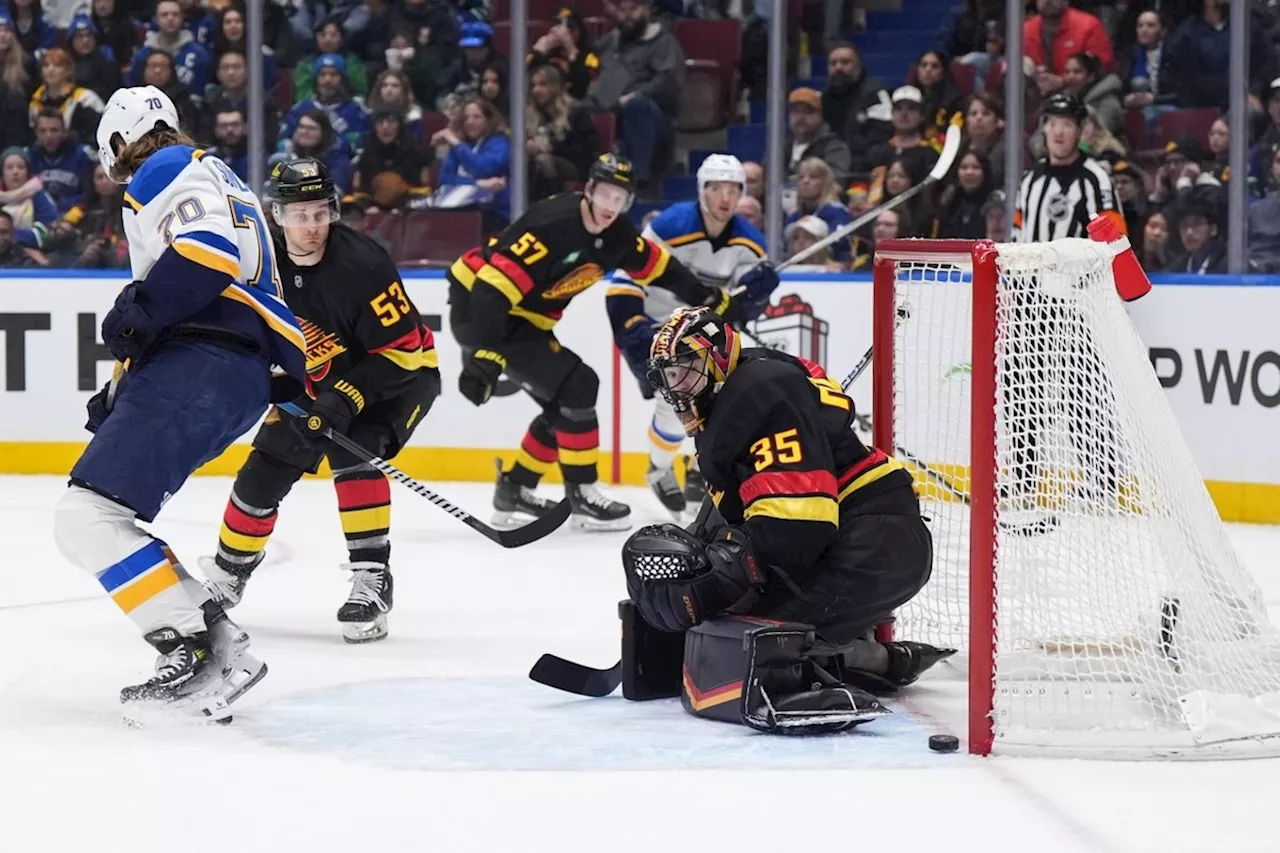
point(130, 115)
point(721, 167)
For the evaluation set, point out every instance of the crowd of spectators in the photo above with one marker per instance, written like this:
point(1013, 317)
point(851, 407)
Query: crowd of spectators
point(407, 102)
point(1139, 67)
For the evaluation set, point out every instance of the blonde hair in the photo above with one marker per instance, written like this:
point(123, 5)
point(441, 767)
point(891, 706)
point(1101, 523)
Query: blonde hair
point(1103, 139)
point(560, 107)
point(830, 192)
point(13, 66)
point(134, 154)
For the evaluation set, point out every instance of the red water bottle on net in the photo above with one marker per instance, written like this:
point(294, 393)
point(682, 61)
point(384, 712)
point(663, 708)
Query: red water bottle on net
point(1131, 281)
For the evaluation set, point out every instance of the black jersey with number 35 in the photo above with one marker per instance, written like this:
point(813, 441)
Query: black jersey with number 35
point(361, 327)
point(547, 257)
point(781, 459)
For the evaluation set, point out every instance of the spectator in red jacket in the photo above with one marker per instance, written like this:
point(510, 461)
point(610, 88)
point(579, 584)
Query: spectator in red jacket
point(1059, 32)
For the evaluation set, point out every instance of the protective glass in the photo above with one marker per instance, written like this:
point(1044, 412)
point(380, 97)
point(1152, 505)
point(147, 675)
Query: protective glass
point(609, 197)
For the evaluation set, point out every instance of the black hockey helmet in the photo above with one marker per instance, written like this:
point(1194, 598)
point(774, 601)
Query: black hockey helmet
point(301, 179)
point(1065, 104)
point(692, 355)
point(612, 169)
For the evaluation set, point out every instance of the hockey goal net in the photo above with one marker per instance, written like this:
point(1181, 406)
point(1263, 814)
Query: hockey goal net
point(1080, 565)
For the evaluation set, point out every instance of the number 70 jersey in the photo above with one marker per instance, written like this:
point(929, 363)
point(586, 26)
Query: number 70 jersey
point(192, 203)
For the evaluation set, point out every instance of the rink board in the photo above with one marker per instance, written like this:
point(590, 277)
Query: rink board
point(1213, 346)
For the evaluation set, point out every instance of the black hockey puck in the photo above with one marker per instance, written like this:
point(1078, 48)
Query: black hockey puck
point(944, 743)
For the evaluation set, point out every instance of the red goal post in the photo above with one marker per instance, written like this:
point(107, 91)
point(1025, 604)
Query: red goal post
point(1080, 565)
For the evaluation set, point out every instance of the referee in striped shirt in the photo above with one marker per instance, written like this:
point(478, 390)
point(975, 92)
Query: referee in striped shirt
point(1053, 366)
point(1068, 188)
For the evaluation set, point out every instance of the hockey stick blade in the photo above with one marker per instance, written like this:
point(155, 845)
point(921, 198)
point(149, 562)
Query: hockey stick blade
point(575, 678)
point(531, 532)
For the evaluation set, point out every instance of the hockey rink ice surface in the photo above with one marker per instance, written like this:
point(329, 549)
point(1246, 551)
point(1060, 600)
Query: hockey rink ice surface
point(435, 740)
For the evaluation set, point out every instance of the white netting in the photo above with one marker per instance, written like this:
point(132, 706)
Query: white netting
point(1127, 625)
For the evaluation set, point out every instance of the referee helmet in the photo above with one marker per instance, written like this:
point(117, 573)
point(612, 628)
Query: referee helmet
point(1065, 104)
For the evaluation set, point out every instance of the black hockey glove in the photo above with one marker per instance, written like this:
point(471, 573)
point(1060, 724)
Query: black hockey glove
point(333, 409)
point(676, 581)
point(127, 330)
point(284, 388)
point(480, 376)
point(755, 287)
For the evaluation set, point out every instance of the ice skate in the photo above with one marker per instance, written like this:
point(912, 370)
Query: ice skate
point(664, 485)
point(364, 615)
point(515, 505)
point(695, 487)
point(593, 510)
point(188, 680)
point(225, 586)
point(229, 644)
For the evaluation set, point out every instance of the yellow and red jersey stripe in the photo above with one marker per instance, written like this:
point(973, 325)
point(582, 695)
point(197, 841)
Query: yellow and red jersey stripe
point(791, 496)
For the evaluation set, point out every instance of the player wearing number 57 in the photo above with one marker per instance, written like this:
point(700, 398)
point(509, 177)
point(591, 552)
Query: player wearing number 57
point(505, 299)
point(372, 375)
point(199, 328)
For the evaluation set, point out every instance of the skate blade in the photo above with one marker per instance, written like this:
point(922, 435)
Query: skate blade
point(365, 632)
point(599, 525)
point(203, 707)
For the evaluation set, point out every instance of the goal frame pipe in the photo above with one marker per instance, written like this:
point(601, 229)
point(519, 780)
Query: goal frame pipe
point(980, 256)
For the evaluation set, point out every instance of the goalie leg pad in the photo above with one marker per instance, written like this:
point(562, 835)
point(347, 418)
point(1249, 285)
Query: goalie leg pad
point(651, 659)
point(759, 673)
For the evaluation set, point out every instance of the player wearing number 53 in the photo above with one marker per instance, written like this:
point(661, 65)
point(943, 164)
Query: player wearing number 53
point(372, 375)
point(505, 300)
point(199, 329)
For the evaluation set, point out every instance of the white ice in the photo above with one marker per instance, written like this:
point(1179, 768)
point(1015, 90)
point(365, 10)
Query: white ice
point(435, 741)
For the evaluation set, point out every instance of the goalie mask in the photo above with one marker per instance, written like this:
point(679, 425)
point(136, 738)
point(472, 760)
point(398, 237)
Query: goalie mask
point(692, 355)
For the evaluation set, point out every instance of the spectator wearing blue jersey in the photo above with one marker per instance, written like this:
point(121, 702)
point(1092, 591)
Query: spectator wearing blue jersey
point(190, 58)
point(34, 33)
point(479, 158)
point(347, 117)
point(62, 164)
point(24, 199)
point(817, 195)
point(96, 66)
point(313, 136)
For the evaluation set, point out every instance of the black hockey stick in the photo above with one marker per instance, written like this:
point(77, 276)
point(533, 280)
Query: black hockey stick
point(575, 678)
point(531, 532)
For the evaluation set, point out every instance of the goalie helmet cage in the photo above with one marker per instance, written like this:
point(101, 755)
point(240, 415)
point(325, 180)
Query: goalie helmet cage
point(1079, 563)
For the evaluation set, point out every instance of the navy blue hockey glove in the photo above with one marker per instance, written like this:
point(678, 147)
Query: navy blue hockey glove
point(127, 330)
point(333, 409)
point(755, 287)
point(480, 376)
point(635, 341)
point(97, 409)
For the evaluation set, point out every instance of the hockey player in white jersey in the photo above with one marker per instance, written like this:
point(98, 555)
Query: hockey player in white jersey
point(198, 330)
point(723, 249)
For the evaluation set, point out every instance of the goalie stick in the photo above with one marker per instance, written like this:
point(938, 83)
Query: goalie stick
point(531, 532)
point(575, 678)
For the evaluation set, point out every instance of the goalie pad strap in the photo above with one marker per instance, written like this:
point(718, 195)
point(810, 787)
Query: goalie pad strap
point(759, 673)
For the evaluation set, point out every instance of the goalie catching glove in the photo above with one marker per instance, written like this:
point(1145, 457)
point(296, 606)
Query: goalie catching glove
point(676, 581)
